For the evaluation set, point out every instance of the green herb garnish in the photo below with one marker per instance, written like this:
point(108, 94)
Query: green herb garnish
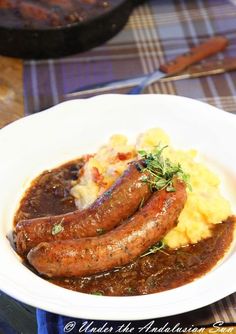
point(108, 193)
point(141, 203)
point(97, 293)
point(161, 171)
point(155, 248)
point(58, 228)
point(100, 231)
point(129, 289)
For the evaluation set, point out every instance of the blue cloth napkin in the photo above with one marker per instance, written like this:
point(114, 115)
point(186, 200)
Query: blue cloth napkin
point(50, 323)
point(5, 328)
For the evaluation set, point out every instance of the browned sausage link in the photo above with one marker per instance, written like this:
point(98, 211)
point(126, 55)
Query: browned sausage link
point(115, 205)
point(7, 4)
point(75, 258)
point(63, 4)
point(37, 12)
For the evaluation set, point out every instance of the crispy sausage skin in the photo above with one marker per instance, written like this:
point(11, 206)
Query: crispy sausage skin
point(30, 10)
point(83, 257)
point(109, 210)
point(7, 4)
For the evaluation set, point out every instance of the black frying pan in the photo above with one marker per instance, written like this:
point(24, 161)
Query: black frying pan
point(65, 40)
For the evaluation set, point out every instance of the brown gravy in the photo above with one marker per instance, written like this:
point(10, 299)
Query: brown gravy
point(166, 269)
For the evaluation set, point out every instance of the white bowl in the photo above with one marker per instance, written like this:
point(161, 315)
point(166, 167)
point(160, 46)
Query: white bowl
point(64, 132)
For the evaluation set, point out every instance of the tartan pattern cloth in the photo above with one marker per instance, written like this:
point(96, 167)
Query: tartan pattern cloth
point(157, 31)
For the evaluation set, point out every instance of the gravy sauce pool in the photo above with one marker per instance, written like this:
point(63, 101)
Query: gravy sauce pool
point(166, 269)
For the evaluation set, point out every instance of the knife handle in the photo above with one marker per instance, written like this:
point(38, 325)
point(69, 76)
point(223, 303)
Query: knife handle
point(213, 67)
point(197, 53)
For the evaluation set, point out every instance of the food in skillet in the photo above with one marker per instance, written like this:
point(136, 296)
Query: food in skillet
point(138, 256)
point(44, 14)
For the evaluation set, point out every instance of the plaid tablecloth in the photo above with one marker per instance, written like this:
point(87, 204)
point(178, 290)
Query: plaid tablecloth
point(157, 31)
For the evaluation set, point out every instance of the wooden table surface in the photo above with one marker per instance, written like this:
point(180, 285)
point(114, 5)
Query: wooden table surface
point(20, 319)
point(11, 90)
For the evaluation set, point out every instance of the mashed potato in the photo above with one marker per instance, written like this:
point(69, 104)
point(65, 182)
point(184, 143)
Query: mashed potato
point(102, 169)
point(204, 207)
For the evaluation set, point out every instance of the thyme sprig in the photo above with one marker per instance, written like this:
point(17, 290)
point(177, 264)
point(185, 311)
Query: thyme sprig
point(58, 228)
point(100, 231)
point(155, 248)
point(161, 171)
point(97, 293)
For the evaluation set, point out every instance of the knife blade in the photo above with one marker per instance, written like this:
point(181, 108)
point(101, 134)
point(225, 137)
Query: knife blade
point(166, 71)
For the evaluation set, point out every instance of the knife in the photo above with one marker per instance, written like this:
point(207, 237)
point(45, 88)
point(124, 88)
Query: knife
point(194, 71)
point(165, 71)
point(212, 67)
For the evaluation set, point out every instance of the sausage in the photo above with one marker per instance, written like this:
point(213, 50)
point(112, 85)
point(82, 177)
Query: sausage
point(7, 4)
point(37, 12)
point(84, 257)
point(63, 4)
point(109, 210)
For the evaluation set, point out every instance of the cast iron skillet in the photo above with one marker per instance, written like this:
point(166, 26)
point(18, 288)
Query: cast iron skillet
point(61, 41)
